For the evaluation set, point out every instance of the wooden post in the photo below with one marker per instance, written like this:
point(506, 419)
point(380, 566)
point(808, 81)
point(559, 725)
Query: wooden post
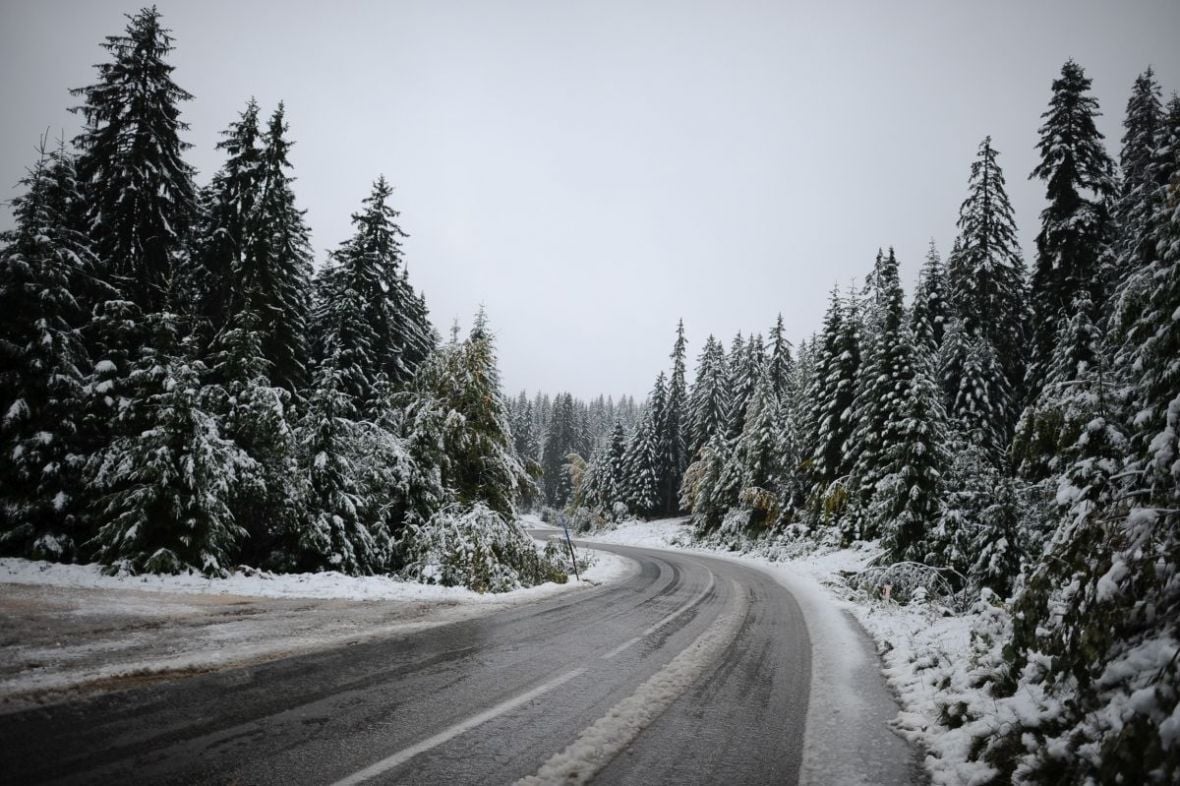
point(570, 543)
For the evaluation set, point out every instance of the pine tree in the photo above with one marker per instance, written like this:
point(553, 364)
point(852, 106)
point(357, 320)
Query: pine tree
point(931, 311)
point(42, 365)
point(1139, 182)
point(338, 529)
point(907, 500)
point(981, 399)
point(560, 439)
point(138, 190)
point(363, 302)
point(167, 488)
point(752, 471)
point(275, 277)
point(883, 381)
point(230, 204)
point(642, 491)
point(985, 277)
point(708, 406)
point(254, 415)
point(780, 359)
point(482, 467)
point(831, 391)
point(1076, 224)
point(673, 424)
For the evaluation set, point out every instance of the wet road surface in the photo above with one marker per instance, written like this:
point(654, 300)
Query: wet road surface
point(689, 670)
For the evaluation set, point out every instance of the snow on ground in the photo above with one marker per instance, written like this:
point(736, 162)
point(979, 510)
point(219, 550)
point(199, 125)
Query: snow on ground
point(926, 654)
point(66, 628)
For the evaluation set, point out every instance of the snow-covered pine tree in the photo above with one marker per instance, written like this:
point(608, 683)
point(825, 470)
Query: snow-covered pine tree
point(977, 538)
point(277, 268)
point(560, 441)
point(641, 488)
point(43, 262)
point(980, 403)
point(883, 379)
point(223, 229)
point(362, 302)
point(931, 309)
point(986, 282)
point(673, 436)
point(708, 404)
point(1075, 225)
point(780, 360)
point(1139, 183)
point(339, 529)
point(482, 466)
point(255, 415)
point(1095, 629)
point(831, 392)
point(168, 478)
point(907, 499)
point(138, 190)
point(751, 473)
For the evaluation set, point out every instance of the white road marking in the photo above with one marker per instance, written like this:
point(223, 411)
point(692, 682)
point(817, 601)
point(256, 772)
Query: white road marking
point(402, 756)
point(605, 738)
point(653, 628)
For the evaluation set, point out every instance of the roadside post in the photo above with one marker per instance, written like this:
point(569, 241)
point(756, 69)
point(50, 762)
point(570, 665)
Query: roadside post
point(565, 528)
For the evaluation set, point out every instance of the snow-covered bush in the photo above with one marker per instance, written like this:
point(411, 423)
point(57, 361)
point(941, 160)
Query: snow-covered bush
point(475, 548)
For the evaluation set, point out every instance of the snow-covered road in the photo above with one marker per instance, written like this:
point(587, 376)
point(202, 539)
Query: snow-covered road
point(689, 669)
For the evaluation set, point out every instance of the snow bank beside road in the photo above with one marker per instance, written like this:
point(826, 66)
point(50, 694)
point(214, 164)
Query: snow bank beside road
point(260, 584)
point(69, 627)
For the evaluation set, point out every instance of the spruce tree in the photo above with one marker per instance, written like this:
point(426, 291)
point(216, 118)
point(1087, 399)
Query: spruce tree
point(1075, 224)
point(1139, 183)
point(275, 277)
point(708, 405)
point(673, 436)
point(641, 490)
point(168, 479)
point(985, 278)
point(831, 392)
point(931, 310)
point(752, 471)
point(43, 363)
point(883, 382)
point(230, 205)
point(138, 190)
point(780, 359)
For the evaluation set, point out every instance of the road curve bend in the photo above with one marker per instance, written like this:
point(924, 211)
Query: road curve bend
point(688, 670)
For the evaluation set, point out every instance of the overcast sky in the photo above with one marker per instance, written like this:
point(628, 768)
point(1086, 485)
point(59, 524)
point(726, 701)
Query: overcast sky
point(594, 171)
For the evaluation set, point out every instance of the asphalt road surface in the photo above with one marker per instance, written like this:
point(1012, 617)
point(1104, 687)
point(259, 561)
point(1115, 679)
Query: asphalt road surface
point(690, 670)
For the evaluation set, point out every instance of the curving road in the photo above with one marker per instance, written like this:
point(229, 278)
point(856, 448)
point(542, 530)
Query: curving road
point(689, 670)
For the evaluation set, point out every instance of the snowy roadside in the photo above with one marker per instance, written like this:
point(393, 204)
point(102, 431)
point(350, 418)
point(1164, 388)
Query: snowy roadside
point(68, 629)
point(926, 656)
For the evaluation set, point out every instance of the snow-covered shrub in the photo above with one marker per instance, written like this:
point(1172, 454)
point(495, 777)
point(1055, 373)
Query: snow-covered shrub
point(474, 548)
point(905, 582)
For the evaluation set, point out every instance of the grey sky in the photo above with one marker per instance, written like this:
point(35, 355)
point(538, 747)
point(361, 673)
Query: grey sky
point(593, 171)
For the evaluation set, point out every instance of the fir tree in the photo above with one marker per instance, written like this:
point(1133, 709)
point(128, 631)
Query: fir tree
point(560, 438)
point(673, 428)
point(642, 493)
point(780, 359)
point(831, 392)
point(230, 204)
point(985, 277)
point(931, 311)
point(708, 406)
point(138, 190)
point(883, 380)
point(1139, 181)
point(42, 365)
point(168, 487)
point(1075, 224)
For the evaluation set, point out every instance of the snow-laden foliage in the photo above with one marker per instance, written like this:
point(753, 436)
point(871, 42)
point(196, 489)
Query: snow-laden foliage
point(167, 488)
point(475, 548)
